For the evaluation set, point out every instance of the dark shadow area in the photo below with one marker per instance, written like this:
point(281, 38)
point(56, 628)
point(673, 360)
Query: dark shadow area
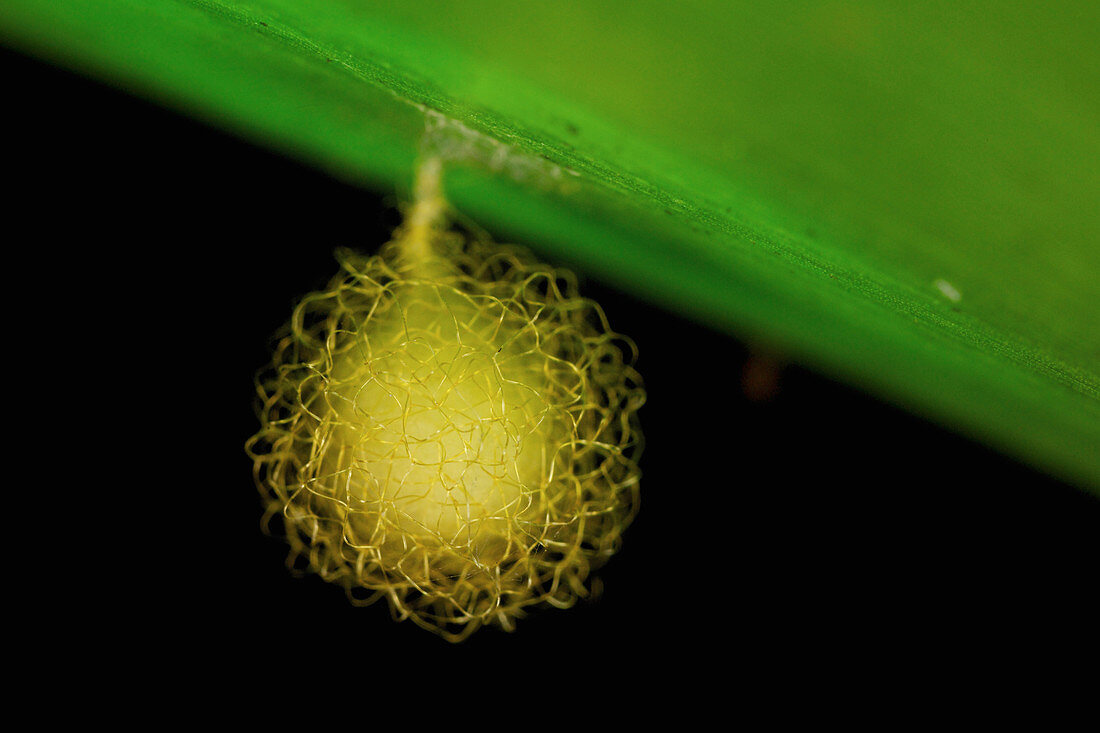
point(809, 523)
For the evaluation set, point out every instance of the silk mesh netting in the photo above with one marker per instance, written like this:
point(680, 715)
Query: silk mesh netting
point(451, 427)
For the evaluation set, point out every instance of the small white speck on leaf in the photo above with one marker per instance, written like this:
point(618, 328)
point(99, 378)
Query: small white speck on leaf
point(949, 291)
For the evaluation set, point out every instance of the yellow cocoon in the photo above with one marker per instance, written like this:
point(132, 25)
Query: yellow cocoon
point(451, 427)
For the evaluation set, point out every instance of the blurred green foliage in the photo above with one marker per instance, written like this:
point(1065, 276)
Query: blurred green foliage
point(904, 196)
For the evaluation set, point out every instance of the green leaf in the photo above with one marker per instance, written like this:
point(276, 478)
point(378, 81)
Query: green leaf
point(904, 197)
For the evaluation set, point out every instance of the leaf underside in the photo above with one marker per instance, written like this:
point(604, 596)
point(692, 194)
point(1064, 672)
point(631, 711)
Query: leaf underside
point(905, 198)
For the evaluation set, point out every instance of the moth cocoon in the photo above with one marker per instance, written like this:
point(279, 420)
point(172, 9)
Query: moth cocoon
point(450, 426)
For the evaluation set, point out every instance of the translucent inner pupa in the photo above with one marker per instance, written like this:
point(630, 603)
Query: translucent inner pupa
point(444, 433)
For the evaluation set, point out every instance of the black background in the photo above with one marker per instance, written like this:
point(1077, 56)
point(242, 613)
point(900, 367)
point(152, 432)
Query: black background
point(818, 524)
